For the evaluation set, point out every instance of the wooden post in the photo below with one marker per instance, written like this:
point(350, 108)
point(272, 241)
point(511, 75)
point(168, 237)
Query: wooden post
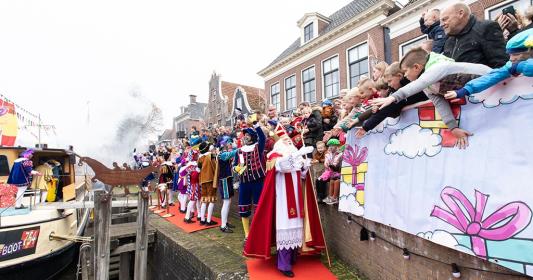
point(141, 241)
point(102, 222)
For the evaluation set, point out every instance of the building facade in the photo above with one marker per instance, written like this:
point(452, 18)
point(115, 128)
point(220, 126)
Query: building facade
point(190, 115)
point(226, 97)
point(334, 52)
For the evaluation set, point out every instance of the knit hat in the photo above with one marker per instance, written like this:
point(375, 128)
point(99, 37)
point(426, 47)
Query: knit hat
point(521, 42)
point(333, 142)
point(327, 102)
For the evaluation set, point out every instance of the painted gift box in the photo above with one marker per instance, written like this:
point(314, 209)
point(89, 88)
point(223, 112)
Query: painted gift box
point(490, 235)
point(430, 118)
point(8, 194)
point(513, 253)
point(354, 173)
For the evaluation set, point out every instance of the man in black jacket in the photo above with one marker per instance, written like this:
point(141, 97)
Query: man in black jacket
point(471, 40)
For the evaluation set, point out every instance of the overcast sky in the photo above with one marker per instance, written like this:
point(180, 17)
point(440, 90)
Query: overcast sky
point(56, 57)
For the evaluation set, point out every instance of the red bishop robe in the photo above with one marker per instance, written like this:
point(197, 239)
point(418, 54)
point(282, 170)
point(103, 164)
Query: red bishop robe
point(263, 230)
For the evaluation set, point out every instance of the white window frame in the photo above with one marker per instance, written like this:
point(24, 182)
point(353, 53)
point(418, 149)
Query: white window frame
point(503, 4)
point(312, 24)
point(295, 93)
point(402, 45)
point(323, 88)
point(278, 105)
point(302, 82)
point(348, 79)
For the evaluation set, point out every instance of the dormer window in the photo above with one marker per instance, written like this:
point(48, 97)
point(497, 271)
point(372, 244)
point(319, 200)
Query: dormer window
point(308, 32)
point(311, 24)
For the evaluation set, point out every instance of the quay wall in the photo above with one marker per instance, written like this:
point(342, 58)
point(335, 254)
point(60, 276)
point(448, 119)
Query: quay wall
point(379, 259)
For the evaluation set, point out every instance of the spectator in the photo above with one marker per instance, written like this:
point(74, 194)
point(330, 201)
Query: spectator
point(471, 40)
point(312, 126)
point(378, 70)
point(513, 23)
point(329, 119)
point(427, 45)
point(430, 25)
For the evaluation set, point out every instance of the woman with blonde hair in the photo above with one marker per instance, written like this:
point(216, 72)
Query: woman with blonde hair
point(378, 70)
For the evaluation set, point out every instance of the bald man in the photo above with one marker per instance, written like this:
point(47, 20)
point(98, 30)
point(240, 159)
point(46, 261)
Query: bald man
point(472, 40)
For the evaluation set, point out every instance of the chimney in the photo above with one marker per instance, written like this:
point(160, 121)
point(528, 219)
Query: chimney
point(192, 98)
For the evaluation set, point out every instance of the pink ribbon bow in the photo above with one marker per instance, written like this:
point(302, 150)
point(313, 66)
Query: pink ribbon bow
point(353, 157)
point(502, 224)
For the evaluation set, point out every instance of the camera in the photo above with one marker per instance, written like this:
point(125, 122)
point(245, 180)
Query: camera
point(509, 10)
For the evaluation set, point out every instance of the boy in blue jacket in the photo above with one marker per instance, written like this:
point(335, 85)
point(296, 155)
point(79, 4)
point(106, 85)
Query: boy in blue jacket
point(520, 51)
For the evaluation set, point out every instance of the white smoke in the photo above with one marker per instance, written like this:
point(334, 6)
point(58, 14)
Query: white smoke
point(414, 141)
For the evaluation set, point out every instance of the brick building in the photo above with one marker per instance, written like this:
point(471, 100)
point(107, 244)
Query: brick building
point(226, 97)
point(333, 52)
point(190, 115)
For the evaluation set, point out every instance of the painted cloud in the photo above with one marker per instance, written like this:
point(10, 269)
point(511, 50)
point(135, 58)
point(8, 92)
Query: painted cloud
point(505, 92)
point(385, 123)
point(347, 201)
point(444, 238)
point(414, 141)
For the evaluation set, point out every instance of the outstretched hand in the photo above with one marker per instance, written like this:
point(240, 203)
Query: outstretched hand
point(360, 133)
point(462, 137)
point(382, 102)
point(450, 94)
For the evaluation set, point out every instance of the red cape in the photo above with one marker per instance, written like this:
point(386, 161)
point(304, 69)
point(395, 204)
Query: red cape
point(263, 230)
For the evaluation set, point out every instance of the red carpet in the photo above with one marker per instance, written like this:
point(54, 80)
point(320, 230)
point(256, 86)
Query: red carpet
point(178, 217)
point(306, 267)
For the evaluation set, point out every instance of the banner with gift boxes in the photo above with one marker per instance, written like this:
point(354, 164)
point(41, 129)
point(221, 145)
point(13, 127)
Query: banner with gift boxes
point(407, 173)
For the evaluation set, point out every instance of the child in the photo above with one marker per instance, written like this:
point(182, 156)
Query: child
point(425, 71)
point(521, 62)
point(382, 87)
point(379, 70)
point(367, 92)
point(395, 80)
point(320, 153)
point(319, 157)
point(332, 163)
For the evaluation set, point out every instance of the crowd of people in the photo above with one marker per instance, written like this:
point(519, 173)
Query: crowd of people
point(463, 56)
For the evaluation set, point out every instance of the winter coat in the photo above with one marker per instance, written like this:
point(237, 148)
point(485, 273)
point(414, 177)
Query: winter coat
point(481, 41)
point(436, 33)
point(314, 125)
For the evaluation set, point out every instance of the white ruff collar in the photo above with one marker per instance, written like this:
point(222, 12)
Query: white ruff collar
point(248, 148)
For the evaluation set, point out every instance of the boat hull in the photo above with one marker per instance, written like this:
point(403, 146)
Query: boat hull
point(45, 267)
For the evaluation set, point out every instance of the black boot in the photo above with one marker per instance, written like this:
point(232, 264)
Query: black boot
point(188, 221)
point(210, 223)
point(230, 225)
point(226, 229)
point(287, 273)
point(202, 223)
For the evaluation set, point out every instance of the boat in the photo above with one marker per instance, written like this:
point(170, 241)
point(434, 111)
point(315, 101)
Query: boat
point(39, 242)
